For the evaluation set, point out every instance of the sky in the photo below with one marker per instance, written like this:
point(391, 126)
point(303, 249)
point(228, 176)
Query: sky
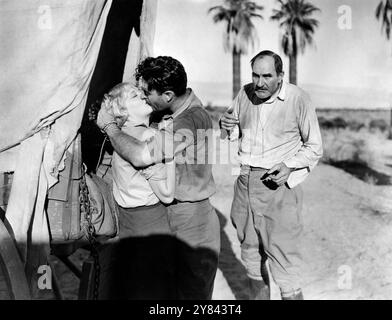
point(346, 67)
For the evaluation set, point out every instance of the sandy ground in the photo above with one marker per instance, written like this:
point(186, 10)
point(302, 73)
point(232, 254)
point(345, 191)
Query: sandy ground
point(346, 241)
point(344, 235)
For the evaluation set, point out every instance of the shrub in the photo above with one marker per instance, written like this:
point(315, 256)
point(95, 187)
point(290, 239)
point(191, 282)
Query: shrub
point(335, 123)
point(346, 145)
point(339, 123)
point(379, 124)
point(324, 123)
point(355, 125)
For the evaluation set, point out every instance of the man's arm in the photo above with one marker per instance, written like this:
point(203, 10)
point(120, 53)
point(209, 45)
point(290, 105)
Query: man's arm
point(164, 145)
point(311, 150)
point(229, 122)
point(162, 179)
point(129, 148)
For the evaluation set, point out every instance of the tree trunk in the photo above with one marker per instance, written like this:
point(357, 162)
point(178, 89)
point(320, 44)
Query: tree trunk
point(236, 73)
point(293, 58)
point(293, 69)
point(390, 127)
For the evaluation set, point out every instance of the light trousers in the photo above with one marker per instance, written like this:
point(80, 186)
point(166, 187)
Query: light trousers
point(269, 224)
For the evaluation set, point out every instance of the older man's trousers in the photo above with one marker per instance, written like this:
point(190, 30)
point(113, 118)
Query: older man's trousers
point(269, 224)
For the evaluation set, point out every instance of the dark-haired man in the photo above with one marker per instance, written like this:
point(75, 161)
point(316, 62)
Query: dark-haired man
point(280, 143)
point(192, 219)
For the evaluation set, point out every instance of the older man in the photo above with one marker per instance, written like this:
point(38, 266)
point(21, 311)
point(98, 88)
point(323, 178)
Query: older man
point(192, 219)
point(280, 143)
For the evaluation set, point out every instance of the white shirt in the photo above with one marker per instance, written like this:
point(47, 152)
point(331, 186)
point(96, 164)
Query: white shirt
point(130, 188)
point(283, 129)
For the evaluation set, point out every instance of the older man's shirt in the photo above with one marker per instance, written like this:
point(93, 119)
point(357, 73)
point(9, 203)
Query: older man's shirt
point(283, 129)
point(183, 137)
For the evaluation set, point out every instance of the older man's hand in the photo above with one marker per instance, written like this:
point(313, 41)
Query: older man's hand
point(228, 121)
point(281, 175)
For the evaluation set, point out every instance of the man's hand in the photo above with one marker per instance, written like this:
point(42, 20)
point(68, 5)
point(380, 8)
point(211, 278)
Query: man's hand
point(283, 172)
point(104, 119)
point(228, 121)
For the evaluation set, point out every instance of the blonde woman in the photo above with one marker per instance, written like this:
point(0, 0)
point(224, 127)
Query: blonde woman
point(143, 257)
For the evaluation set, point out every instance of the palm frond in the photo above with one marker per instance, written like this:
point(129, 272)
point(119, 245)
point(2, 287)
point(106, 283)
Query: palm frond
point(384, 14)
point(295, 19)
point(238, 16)
point(379, 9)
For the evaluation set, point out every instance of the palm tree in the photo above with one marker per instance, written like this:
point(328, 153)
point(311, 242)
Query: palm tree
point(384, 13)
point(240, 31)
point(298, 26)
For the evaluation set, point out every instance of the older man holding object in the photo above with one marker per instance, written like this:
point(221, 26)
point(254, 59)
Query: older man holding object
point(280, 143)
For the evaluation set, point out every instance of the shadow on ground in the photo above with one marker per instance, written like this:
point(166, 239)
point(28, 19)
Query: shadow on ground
point(363, 172)
point(232, 269)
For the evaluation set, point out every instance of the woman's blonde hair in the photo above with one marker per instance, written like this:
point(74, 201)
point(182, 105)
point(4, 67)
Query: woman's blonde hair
point(114, 101)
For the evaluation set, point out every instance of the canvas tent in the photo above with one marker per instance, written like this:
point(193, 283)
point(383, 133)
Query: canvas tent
point(56, 57)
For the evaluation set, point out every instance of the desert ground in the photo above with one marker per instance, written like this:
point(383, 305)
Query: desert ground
point(347, 219)
point(347, 233)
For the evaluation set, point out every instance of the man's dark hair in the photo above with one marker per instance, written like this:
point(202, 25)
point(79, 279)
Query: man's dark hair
point(163, 73)
point(268, 53)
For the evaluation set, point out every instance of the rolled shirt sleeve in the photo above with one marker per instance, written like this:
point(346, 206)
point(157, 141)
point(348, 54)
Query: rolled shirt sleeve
point(154, 172)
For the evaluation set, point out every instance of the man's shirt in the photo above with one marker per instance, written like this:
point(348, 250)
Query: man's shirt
point(283, 129)
point(183, 136)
